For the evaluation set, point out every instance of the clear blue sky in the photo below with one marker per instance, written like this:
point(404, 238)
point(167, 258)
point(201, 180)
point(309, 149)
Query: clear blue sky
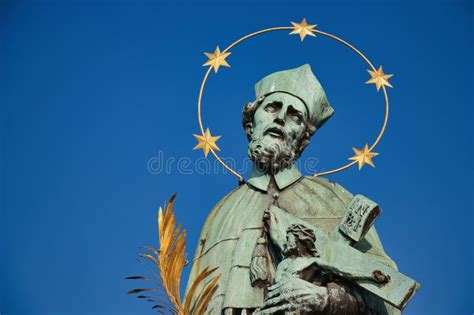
point(91, 91)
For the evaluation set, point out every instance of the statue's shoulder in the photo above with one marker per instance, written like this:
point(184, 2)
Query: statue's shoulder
point(233, 196)
point(227, 202)
point(327, 187)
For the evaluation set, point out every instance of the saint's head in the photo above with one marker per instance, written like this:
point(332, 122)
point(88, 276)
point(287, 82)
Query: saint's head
point(290, 106)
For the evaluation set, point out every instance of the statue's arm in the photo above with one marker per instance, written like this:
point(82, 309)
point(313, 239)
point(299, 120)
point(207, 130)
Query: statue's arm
point(372, 246)
point(196, 266)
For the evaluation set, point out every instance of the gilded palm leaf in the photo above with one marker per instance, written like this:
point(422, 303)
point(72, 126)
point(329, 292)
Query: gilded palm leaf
point(170, 260)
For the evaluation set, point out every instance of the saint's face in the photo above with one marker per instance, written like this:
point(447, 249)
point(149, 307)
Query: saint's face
point(281, 116)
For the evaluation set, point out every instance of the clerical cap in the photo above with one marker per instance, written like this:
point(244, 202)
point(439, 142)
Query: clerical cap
point(301, 83)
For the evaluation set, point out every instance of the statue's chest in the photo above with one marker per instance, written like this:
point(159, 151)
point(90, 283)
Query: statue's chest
point(245, 211)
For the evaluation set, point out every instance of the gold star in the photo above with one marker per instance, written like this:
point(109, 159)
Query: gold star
point(206, 142)
point(217, 59)
point(363, 156)
point(303, 29)
point(379, 78)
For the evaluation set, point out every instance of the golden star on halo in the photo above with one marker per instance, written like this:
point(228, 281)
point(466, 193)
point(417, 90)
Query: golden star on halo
point(206, 142)
point(363, 156)
point(379, 78)
point(303, 29)
point(217, 59)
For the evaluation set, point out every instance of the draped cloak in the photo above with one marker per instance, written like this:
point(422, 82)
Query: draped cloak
point(233, 227)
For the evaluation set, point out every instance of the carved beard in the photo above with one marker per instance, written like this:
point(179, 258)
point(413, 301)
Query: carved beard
point(272, 154)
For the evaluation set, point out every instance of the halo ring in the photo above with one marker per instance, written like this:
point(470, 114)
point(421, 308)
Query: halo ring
point(289, 28)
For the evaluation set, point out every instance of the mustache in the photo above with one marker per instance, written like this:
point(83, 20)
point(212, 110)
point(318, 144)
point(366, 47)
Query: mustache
point(276, 131)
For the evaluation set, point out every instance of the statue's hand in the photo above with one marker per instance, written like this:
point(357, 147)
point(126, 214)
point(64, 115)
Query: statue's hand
point(294, 295)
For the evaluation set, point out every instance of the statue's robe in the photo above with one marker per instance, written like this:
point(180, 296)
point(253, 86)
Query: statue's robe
point(232, 229)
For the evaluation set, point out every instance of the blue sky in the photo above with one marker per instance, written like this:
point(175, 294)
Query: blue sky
point(95, 95)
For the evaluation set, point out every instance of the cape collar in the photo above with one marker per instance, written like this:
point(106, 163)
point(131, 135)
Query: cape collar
point(283, 179)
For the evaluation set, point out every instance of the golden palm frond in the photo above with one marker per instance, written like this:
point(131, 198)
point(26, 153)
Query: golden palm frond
point(170, 260)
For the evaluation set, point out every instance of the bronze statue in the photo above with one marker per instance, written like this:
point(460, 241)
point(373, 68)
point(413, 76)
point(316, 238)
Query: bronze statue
point(290, 107)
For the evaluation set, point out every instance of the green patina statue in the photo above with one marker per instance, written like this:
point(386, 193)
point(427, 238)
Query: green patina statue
point(289, 244)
